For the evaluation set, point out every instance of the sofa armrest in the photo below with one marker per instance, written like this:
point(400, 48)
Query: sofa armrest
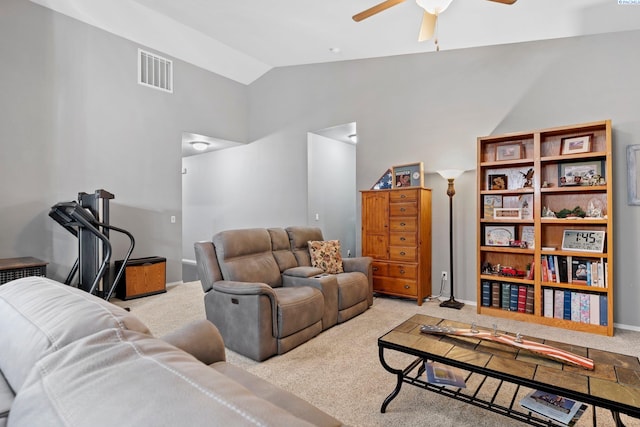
point(363, 264)
point(201, 339)
point(231, 287)
point(303, 271)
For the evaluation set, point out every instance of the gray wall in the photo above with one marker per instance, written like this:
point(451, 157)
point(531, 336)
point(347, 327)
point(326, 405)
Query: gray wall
point(73, 118)
point(432, 107)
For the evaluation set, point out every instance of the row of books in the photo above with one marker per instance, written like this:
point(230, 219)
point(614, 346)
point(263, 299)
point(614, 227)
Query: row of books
point(575, 306)
point(570, 269)
point(507, 296)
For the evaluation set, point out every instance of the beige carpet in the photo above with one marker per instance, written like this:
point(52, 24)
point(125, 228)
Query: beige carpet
point(339, 371)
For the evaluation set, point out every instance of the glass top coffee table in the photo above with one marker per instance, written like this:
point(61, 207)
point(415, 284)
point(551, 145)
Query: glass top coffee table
point(497, 376)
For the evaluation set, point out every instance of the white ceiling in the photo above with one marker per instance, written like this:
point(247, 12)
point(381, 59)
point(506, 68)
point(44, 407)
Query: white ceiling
point(243, 39)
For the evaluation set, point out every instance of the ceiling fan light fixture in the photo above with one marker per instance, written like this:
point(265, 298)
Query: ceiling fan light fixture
point(199, 145)
point(354, 138)
point(434, 7)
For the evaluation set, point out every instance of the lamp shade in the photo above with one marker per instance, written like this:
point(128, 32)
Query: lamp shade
point(434, 7)
point(450, 173)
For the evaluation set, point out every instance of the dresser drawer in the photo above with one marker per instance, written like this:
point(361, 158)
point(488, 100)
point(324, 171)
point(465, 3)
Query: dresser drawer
point(403, 195)
point(380, 268)
point(403, 253)
point(403, 209)
point(403, 224)
point(402, 239)
point(403, 271)
point(395, 286)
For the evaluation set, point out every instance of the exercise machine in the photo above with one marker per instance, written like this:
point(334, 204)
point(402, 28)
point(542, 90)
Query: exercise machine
point(88, 220)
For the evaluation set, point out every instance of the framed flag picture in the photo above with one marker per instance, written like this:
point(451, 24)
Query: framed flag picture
point(410, 175)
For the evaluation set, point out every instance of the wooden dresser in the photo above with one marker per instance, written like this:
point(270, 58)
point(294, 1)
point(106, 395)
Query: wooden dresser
point(396, 233)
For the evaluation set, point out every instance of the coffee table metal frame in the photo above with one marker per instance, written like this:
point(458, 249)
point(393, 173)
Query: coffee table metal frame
point(413, 374)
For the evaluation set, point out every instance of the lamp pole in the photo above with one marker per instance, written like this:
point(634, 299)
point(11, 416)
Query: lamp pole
point(451, 302)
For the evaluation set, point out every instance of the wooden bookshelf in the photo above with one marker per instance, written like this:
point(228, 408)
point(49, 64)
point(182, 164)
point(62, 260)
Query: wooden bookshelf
point(551, 159)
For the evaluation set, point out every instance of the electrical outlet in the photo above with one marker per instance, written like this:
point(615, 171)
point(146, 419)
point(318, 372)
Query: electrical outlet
point(444, 275)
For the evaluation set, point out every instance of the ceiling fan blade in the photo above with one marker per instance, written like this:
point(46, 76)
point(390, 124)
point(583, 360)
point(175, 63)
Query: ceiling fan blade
point(505, 1)
point(428, 26)
point(376, 9)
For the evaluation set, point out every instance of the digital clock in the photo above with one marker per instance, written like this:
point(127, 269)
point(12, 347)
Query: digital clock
point(583, 240)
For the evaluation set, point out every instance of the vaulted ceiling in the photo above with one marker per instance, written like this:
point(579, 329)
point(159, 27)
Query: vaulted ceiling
point(243, 39)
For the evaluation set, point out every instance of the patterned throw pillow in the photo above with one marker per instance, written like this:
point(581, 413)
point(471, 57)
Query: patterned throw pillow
point(326, 255)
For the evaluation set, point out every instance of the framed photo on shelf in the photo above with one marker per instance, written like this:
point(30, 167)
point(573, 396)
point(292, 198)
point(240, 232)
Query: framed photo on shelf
point(497, 235)
point(497, 182)
point(528, 236)
point(490, 202)
point(510, 151)
point(579, 173)
point(507, 213)
point(576, 144)
point(525, 203)
point(410, 175)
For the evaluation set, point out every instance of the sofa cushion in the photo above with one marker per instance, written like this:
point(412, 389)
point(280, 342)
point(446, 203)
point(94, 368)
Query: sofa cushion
point(118, 377)
point(39, 311)
point(281, 249)
point(325, 254)
point(246, 256)
point(298, 238)
point(298, 308)
point(354, 288)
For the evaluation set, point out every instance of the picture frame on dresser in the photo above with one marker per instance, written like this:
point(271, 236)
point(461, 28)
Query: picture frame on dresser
point(409, 175)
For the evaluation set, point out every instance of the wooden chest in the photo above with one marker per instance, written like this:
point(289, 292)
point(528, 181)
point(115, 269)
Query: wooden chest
point(142, 277)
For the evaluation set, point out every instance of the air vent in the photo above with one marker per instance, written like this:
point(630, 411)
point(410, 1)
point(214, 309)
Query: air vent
point(155, 71)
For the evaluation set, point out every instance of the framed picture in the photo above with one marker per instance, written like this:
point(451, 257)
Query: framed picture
point(411, 175)
point(528, 236)
point(490, 202)
point(384, 182)
point(497, 182)
point(576, 144)
point(525, 203)
point(510, 151)
point(579, 173)
point(507, 213)
point(633, 174)
point(498, 235)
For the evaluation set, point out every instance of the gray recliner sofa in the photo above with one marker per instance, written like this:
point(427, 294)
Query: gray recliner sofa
point(69, 358)
point(266, 298)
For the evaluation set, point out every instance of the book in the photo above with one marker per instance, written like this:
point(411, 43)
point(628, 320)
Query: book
point(558, 303)
point(513, 300)
point(506, 296)
point(579, 271)
point(522, 298)
point(486, 293)
point(548, 302)
point(558, 408)
point(441, 374)
point(584, 308)
point(562, 270)
point(529, 301)
point(594, 309)
point(575, 306)
point(566, 312)
point(604, 311)
point(495, 295)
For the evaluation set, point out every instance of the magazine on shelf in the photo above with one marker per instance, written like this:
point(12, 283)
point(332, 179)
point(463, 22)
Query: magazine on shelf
point(440, 374)
point(552, 406)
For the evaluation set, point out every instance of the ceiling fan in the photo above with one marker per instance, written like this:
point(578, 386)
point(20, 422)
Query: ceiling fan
point(432, 8)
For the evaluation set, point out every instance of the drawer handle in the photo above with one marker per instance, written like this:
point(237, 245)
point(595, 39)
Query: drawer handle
point(407, 287)
point(402, 271)
point(403, 253)
point(375, 268)
point(403, 239)
point(402, 209)
point(403, 224)
point(403, 196)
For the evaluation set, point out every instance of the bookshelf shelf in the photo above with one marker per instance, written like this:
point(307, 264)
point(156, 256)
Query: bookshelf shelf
point(540, 168)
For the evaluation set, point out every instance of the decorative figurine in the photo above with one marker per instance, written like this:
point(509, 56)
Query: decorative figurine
point(528, 178)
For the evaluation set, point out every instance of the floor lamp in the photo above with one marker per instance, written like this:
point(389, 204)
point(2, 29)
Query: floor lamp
point(450, 175)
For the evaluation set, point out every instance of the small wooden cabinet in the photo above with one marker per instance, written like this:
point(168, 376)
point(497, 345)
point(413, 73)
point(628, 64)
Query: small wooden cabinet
point(16, 268)
point(396, 233)
point(142, 277)
point(529, 199)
